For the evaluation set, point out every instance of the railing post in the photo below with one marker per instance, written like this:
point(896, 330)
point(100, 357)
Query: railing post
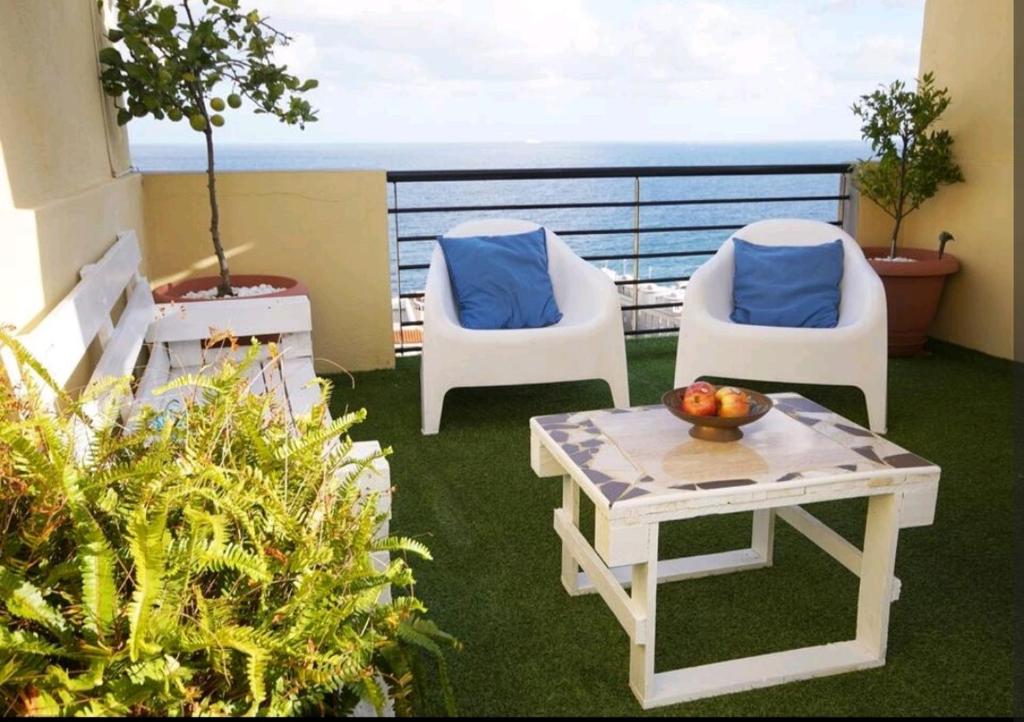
point(636, 252)
point(849, 208)
point(398, 274)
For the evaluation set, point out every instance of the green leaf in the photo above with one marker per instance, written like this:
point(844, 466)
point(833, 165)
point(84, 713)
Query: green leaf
point(110, 56)
point(309, 84)
point(167, 17)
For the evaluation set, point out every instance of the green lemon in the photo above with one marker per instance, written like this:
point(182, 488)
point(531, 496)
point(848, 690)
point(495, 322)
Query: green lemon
point(235, 100)
point(197, 121)
point(217, 119)
point(174, 114)
point(138, 109)
point(217, 103)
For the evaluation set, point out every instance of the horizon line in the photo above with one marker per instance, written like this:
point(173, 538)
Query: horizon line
point(505, 142)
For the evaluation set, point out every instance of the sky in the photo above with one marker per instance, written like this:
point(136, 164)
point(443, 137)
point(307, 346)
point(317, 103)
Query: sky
point(579, 70)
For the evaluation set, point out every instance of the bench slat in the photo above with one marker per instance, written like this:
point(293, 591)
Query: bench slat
point(185, 353)
point(157, 374)
point(300, 381)
point(243, 317)
point(116, 267)
point(64, 336)
point(255, 375)
point(122, 348)
point(62, 339)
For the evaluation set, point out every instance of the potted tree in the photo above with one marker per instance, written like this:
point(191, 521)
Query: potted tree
point(172, 60)
point(911, 161)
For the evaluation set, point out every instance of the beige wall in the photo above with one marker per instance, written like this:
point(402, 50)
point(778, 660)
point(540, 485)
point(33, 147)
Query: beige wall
point(60, 203)
point(327, 229)
point(969, 46)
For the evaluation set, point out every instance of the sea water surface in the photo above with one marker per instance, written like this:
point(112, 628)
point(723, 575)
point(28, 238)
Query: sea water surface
point(444, 156)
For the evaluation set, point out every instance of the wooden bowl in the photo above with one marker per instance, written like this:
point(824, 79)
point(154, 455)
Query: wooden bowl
point(717, 428)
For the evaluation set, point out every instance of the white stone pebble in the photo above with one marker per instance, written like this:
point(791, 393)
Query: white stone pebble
point(261, 289)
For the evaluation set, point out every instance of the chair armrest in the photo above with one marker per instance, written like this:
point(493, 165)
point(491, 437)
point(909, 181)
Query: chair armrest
point(581, 289)
point(863, 296)
point(710, 286)
point(439, 311)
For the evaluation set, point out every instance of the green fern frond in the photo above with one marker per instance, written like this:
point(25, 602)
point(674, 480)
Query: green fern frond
point(235, 558)
point(88, 680)
point(242, 639)
point(25, 600)
point(315, 439)
point(99, 592)
point(401, 544)
point(188, 381)
point(25, 642)
point(146, 543)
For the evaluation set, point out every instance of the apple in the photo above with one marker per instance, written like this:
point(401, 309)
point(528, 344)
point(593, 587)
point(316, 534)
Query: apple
point(725, 391)
point(702, 386)
point(733, 405)
point(699, 399)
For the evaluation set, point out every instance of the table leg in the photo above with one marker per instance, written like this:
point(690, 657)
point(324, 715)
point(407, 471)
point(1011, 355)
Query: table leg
point(762, 536)
point(878, 562)
point(571, 507)
point(644, 598)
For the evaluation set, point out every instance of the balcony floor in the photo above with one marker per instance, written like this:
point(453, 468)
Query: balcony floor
point(531, 649)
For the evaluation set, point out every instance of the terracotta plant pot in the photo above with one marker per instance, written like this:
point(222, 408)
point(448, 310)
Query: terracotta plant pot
point(174, 292)
point(912, 293)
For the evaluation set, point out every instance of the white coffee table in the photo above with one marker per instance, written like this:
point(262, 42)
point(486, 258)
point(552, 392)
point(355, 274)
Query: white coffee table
point(640, 468)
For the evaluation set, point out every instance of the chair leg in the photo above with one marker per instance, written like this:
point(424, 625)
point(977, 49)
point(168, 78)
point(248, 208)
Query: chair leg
point(875, 396)
point(620, 391)
point(431, 404)
point(617, 370)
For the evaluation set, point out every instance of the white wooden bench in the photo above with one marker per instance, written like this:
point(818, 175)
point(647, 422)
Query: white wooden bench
point(173, 337)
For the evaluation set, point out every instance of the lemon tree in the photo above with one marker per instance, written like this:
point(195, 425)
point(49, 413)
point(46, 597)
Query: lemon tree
point(912, 157)
point(176, 59)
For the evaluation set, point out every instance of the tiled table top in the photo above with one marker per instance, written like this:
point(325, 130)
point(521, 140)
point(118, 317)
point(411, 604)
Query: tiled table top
point(645, 455)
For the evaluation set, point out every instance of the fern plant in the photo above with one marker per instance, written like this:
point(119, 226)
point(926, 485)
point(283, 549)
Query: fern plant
point(217, 559)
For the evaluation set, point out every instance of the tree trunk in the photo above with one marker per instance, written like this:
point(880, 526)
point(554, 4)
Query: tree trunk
point(224, 287)
point(895, 236)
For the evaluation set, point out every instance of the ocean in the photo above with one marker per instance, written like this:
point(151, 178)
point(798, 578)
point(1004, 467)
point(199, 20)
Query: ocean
point(438, 156)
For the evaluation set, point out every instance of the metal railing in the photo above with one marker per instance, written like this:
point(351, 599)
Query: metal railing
point(634, 229)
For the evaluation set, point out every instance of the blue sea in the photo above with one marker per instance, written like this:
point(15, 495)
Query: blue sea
point(438, 156)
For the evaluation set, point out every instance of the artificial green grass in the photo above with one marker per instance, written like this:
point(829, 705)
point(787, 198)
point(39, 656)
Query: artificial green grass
point(530, 649)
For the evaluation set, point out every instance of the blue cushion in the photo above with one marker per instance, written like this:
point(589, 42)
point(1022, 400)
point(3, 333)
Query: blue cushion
point(794, 286)
point(501, 281)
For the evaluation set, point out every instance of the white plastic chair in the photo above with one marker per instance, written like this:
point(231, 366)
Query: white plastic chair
point(588, 342)
point(853, 353)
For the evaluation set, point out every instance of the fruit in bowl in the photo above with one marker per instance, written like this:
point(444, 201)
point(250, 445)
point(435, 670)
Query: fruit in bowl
point(732, 402)
point(699, 399)
point(716, 413)
point(703, 399)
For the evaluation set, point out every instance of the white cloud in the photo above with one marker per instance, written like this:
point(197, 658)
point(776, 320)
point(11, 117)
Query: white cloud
point(699, 68)
point(300, 55)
